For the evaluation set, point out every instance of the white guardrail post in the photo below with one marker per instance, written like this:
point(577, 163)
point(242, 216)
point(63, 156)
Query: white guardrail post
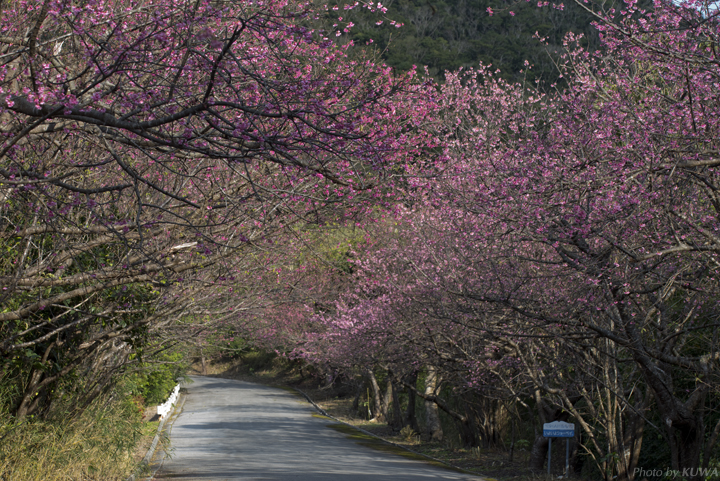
point(165, 407)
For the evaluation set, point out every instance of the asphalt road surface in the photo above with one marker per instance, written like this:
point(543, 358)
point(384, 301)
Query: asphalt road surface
point(234, 430)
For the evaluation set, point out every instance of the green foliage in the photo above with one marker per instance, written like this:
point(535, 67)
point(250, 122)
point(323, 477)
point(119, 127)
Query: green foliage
point(159, 377)
point(522, 444)
point(408, 434)
point(53, 351)
point(450, 34)
point(333, 245)
point(236, 344)
point(225, 343)
point(257, 360)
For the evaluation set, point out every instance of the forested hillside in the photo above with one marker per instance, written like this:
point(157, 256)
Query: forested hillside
point(447, 35)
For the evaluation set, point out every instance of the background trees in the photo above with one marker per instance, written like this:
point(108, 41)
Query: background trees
point(451, 34)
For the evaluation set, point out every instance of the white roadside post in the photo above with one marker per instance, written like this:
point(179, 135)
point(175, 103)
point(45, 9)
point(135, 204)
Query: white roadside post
point(559, 429)
point(165, 407)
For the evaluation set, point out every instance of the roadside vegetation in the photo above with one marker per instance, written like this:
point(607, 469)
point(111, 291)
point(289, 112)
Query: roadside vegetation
point(99, 443)
point(103, 440)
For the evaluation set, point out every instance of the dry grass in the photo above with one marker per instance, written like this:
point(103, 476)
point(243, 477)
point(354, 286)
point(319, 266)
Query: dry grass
point(99, 444)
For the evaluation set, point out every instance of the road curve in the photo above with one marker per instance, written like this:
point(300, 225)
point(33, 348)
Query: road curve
point(234, 430)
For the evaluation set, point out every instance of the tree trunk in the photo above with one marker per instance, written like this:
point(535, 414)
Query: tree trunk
point(34, 389)
point(684, 420)
point(512, 441)
point(410, 417)
point(710, 445)
point(29, 395)
point(377, 398)
point(432, 415)
point(468, 431)
point(633, 436)
point(358, 393)
point(397, 415)
point(538, 454)
point(387, 400)
point(689, 446)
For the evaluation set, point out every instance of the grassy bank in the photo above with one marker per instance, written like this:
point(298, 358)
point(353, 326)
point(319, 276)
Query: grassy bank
point(104, 442)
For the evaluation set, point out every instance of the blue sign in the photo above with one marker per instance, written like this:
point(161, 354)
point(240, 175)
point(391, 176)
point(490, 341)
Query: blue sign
point(558, 429)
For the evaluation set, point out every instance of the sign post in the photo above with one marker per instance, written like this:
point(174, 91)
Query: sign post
point(559, 429)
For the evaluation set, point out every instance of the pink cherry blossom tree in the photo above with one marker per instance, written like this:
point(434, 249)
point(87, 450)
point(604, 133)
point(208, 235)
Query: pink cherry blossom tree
point(581, 222)
point(149, 149)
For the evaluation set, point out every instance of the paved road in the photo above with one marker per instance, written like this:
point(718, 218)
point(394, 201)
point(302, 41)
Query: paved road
point(234, 430)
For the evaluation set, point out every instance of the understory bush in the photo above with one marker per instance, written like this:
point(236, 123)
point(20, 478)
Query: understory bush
point(157, 379)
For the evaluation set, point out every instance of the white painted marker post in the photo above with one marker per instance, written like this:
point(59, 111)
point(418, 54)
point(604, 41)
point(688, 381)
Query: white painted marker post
point(559, 429)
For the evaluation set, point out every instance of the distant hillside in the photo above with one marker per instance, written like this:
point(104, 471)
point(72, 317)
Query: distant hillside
point(446, 35)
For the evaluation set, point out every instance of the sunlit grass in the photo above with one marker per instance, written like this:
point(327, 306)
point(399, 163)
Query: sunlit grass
point(95, 445)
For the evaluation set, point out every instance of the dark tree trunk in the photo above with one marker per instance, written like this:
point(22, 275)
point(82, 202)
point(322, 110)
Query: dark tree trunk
point(468, 433)
point(689, 441)
point(359, 388)
point(512, 441)
point(683, 419)
point(538, 454)
point(710, 445)
point(397, 415)
point(410, 417)
point(35, 389)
